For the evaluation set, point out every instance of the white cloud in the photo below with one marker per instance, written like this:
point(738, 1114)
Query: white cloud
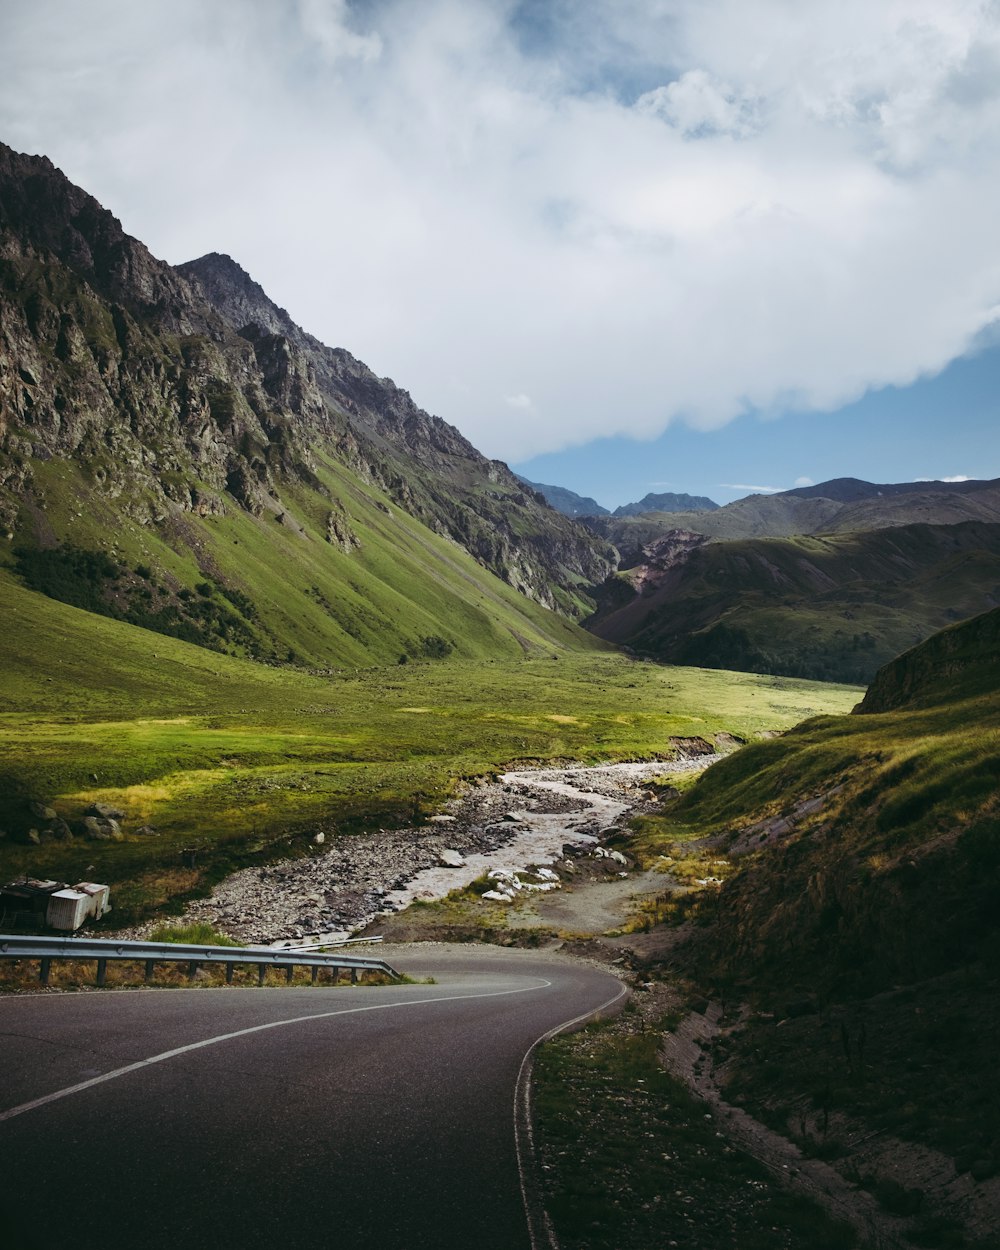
point(520, 401)
point(697, 105)
point(955, 477)
point(804, 481)
point(800, 208)
point(325, 23)
point(754, 490)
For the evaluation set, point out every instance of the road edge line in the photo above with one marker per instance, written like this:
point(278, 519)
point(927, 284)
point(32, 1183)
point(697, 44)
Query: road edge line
point(541, 1233)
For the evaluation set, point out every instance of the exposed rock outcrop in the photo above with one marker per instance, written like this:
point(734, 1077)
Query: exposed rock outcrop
point(182, 388)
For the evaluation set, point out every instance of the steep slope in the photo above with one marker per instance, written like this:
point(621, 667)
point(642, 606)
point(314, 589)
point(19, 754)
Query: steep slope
point(159, 466)
point(860, 912)
point(424, 464)
point(831, 607)
point(906, 825)
point(960, 662)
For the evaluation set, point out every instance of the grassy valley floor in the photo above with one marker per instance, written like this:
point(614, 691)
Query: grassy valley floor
point(217, 762)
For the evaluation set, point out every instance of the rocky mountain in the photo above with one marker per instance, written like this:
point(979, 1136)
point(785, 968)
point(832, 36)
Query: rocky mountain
point(668, 502)
point(568, 502)
point(832, 607)
point(156, 419)
point(574, 505)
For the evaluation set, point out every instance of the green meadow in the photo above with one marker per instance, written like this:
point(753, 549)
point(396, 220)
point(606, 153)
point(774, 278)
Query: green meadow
point(245, 761)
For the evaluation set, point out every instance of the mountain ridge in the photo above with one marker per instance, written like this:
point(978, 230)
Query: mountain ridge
point(134, 412)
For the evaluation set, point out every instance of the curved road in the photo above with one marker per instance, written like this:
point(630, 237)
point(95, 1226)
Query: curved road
point(317, 1118)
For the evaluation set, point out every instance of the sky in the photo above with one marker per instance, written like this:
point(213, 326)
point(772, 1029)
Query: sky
point(711, 246)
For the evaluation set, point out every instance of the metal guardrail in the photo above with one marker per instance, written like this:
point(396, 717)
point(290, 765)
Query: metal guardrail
point(45, 949)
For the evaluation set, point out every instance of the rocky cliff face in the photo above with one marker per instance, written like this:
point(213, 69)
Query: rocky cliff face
point(424, 463)
point(188, 389)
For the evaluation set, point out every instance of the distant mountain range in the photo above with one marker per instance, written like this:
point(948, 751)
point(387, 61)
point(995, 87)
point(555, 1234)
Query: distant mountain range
point(571, 504)
point(828, 581)
point(839, 506)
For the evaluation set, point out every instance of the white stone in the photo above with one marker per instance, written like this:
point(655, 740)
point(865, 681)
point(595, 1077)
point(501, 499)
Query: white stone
point(451, 859)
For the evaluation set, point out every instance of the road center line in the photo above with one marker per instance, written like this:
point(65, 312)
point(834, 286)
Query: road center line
point(257, 1028)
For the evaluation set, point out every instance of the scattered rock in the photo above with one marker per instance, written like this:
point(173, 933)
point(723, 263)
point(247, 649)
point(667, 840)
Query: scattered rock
point(451, 859)
point(41, 811)
point(98, 830)
point(105, 811)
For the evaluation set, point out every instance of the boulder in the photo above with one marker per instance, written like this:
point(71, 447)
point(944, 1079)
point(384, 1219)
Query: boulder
point(59, 829)
point(105, 811)
point(451, 859)
point(41, 811)
point(100, 830)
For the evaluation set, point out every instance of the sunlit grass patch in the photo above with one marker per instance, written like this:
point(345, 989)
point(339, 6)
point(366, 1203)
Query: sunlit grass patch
point(242, 762)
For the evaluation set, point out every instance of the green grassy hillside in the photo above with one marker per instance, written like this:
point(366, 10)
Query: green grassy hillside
point(861, 857)
point(831, 607)
point(246, 760)
point(275, 586)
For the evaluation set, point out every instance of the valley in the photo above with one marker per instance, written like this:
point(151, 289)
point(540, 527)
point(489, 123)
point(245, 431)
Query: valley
point(284, 657)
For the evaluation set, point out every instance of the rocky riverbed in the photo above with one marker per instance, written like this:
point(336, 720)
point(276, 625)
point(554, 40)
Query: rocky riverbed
point(524, 818)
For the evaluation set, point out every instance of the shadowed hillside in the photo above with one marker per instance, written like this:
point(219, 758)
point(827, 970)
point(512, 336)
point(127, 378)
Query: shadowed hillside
point(832, 607)
point(860, 915)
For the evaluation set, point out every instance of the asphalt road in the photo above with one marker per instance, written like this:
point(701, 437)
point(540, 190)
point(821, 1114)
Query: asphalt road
point(317, 1118)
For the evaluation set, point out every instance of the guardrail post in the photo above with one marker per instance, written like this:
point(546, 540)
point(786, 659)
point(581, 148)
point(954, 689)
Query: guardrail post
point(314, 972)
point(261, 973)
point(102, 971)
point(229, 972)
point(354, 976)
point(289, 973)
point(148, 971)
point(43, 971)
point(193, 967)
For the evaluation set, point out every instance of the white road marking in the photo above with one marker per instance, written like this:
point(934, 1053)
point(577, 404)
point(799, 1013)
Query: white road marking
point(257, 1028)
